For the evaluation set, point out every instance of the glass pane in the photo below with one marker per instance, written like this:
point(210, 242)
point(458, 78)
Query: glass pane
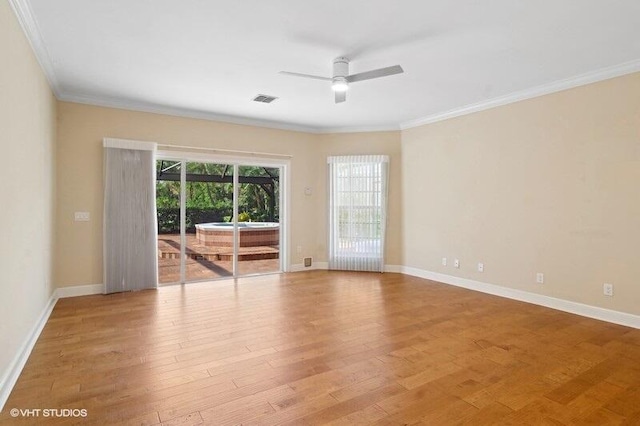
point(357, 208)
point(209, 210)
point(259, 220)
point(168, 205)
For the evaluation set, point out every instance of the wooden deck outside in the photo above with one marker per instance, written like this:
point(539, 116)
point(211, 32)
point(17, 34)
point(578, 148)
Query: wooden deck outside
point(206, 262)
point(321, 347)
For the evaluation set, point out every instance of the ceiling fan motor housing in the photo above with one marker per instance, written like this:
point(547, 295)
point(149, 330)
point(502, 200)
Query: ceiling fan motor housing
point(340, 67)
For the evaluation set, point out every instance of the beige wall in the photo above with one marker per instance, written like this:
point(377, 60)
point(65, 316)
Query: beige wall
point(80, 173)
point(384, 143)
point(27, 136)
point(548, 185)
point(81, 129)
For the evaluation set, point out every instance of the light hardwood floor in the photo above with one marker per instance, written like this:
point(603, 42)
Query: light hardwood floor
point(328, 347)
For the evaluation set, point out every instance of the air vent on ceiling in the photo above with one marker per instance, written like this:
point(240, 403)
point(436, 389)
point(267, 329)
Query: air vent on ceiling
point(265, 99)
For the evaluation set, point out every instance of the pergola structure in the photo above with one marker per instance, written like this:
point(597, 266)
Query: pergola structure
point(267, 183)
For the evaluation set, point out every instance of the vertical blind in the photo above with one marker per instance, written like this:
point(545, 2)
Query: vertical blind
point(130, 222)
point(357, 212)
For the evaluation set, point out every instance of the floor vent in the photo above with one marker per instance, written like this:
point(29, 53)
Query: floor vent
point(265, 99)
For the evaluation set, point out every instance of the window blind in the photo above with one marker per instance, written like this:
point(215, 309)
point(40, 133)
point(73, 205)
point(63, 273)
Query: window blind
point(357, 212)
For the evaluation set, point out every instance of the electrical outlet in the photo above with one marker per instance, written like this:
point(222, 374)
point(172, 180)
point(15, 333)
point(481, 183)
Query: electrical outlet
point(480, 267)
point(540, 278)
point(444, 261)
point(299, 249)
point(456, 263)
point(607, 289)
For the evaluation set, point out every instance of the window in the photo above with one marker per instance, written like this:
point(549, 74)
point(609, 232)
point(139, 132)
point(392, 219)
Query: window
point(357, 212)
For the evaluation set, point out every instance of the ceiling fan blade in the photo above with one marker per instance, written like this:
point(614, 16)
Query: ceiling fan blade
point(341, 97)
point(381, 72)
point(297, 74)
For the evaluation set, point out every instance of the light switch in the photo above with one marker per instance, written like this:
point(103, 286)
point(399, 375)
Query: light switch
point(81, 216)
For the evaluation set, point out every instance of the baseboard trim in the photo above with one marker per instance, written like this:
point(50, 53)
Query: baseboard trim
point(299, 267)
point(325, 265)
point(79, 290)
point(603, 314)
point(11, 375)
point(396, 269)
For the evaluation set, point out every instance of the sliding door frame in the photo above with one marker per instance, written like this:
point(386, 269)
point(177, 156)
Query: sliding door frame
point(283, 165)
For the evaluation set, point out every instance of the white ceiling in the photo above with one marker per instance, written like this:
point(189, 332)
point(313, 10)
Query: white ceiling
point(209, 58)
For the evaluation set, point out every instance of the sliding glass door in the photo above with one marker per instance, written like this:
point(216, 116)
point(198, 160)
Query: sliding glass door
point(217, 220)
point(168, 209)
point(208, 212)
point(259, 220)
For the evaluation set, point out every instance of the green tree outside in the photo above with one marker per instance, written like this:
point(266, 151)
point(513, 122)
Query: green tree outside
point(213, 202)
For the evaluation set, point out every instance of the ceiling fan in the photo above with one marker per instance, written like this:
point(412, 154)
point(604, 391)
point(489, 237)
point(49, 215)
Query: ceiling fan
point(341, 78)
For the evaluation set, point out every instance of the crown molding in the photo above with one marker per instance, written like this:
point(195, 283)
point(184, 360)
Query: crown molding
point(30, 27)
point(360, 129)
point(545, 89)
point(185, 113)
point(202, 115)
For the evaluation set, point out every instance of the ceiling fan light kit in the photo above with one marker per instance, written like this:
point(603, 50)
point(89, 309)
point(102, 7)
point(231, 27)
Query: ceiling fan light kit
point(341, 78)
point(340, 84)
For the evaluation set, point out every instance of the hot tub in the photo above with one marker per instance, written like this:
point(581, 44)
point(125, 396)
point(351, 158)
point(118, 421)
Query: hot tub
point(251, 234)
